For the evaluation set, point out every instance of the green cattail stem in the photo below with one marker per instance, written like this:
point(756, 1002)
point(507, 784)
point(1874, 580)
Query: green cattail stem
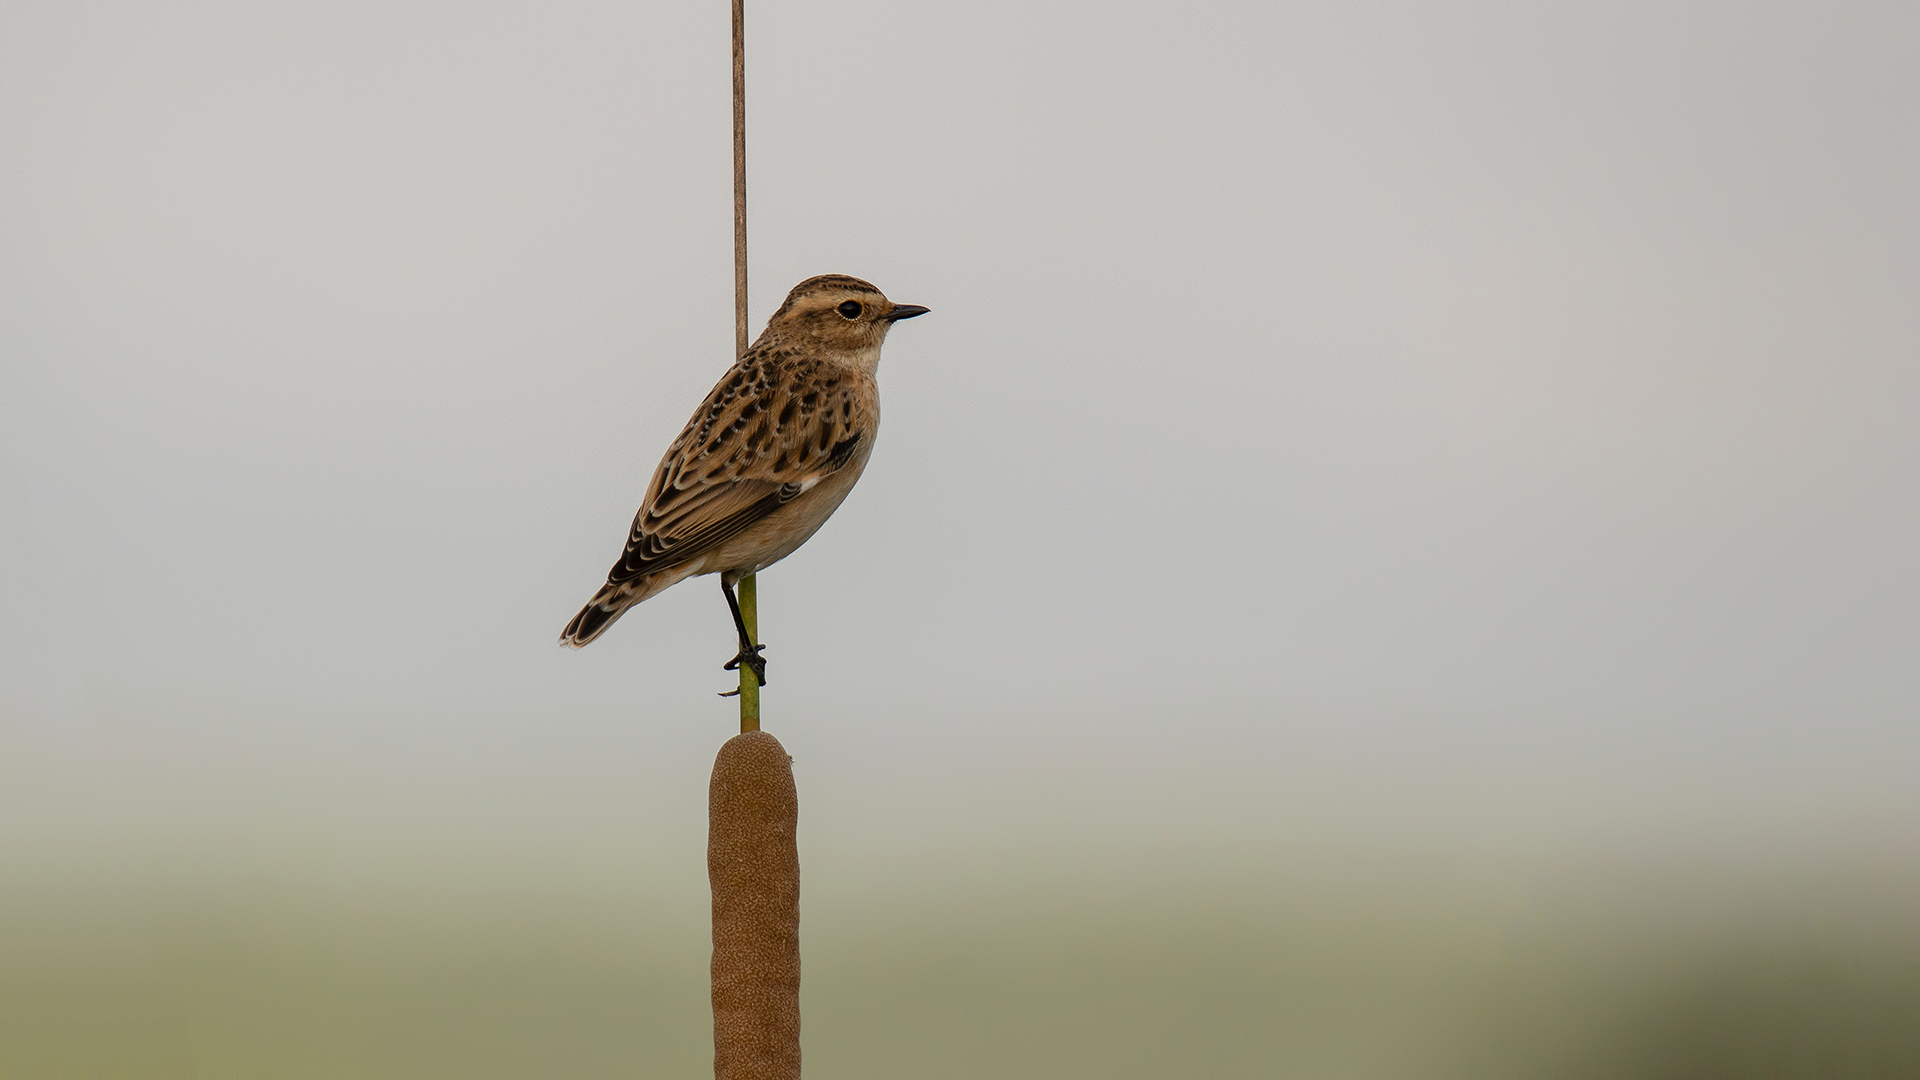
point(749, 609)
point(749, 686)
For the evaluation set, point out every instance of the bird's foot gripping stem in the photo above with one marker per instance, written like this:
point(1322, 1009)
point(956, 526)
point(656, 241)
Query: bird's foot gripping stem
point(749, 652)
point(750, 656)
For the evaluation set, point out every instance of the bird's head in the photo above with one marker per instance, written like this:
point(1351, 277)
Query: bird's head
point(841, 313)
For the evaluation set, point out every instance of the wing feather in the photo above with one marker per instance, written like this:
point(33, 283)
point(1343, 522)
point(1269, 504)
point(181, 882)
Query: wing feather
point(764, 436)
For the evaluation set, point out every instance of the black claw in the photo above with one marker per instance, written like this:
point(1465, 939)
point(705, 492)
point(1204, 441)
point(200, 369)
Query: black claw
point(749, 652)
point(750, 656)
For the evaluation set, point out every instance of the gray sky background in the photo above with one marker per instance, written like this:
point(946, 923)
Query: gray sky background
point(1395, 381)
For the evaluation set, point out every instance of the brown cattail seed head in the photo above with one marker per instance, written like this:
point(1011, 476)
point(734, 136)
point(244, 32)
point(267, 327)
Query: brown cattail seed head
point(754, 868)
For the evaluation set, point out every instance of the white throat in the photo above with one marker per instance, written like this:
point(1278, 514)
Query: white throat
point(867, 360)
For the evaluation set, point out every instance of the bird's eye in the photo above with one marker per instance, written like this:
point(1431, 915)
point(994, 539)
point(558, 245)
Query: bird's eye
point(850, 310)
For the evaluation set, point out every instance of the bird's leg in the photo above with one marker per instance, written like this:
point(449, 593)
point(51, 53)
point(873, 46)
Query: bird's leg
point(749, 652)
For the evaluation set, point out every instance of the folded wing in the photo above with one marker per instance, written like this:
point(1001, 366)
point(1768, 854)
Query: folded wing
point(763, 438)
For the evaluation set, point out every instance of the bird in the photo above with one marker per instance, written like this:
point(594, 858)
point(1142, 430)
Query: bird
point(766, 459)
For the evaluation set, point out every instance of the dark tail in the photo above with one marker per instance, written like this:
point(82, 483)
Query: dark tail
point(606, 606)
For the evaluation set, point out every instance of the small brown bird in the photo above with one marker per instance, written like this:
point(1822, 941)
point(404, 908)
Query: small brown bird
point(766, 459)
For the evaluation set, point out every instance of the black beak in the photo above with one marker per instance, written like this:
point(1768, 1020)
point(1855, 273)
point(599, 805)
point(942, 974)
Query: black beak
point(905, 311)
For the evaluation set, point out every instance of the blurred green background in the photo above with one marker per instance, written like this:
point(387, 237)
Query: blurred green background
point(279, 910)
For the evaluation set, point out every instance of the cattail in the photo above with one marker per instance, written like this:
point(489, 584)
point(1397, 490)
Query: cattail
point(754, 868)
